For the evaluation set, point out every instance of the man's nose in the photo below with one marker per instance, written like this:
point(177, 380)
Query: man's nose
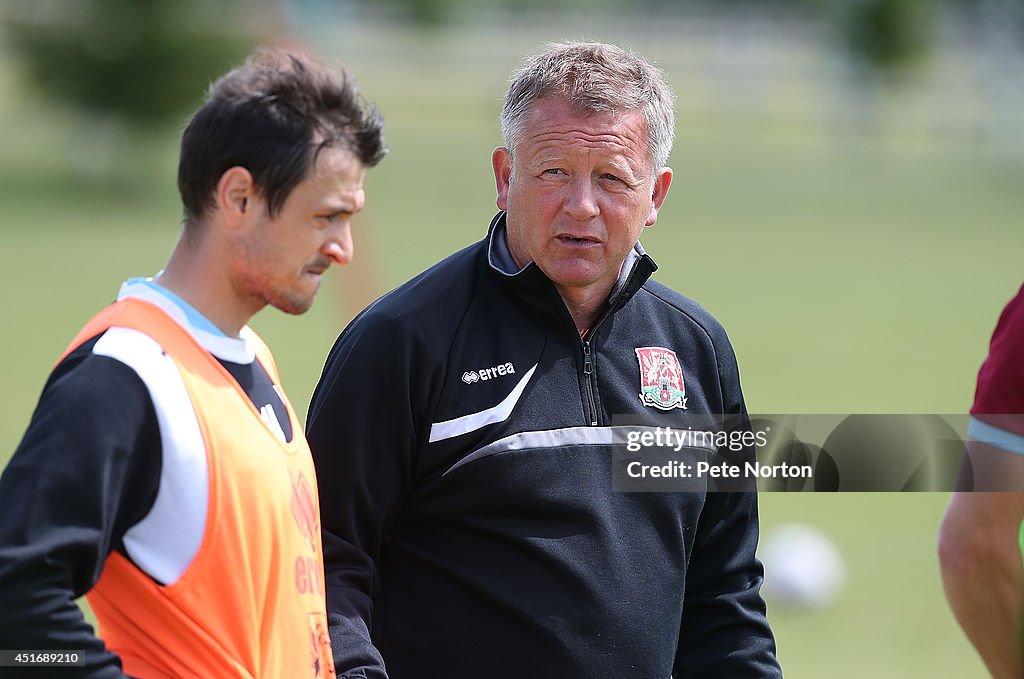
point(339, 246)
point(581, 201)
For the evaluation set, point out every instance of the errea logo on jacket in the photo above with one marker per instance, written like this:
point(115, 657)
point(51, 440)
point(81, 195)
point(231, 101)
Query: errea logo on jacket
point(471, 376)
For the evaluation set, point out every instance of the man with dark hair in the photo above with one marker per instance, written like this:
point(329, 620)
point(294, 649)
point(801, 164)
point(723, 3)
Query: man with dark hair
point(463, 428)
point(164, 474)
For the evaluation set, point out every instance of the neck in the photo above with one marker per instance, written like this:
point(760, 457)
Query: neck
point(197, 273)
point(584, 305)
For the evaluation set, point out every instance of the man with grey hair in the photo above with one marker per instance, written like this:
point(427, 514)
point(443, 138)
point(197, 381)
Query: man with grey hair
point(463, 426)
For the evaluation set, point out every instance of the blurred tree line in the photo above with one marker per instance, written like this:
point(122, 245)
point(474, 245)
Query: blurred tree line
point(140, 60)
point(882, 35)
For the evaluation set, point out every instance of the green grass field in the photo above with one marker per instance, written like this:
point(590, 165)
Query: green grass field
point(853, 275)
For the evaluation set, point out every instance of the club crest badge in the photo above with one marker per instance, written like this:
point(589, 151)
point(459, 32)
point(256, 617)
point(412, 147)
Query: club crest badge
point(661, 378)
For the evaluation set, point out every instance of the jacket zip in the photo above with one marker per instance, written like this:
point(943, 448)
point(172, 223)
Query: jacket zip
point(588, 363)
point(588, 372)
point(588, 369)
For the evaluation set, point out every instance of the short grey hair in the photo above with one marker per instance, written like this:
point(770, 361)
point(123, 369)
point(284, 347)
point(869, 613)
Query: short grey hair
point(594, 78)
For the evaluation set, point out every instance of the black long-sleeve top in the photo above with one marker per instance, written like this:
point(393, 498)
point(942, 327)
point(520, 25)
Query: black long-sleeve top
point(462, 435)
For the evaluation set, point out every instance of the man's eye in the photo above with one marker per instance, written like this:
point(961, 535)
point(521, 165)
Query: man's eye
point(328, 221)
point(607, 175)
point(334, 216)
point(553, 170)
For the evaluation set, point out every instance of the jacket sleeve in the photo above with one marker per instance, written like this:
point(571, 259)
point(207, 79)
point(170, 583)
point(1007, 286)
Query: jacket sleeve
point(86, 470)
point(362, 431)
point(724, 631)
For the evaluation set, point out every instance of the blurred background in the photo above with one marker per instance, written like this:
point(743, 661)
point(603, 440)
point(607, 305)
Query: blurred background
point(847, 202)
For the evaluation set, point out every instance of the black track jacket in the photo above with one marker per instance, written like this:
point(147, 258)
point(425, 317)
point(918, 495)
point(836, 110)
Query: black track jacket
point(471, 529)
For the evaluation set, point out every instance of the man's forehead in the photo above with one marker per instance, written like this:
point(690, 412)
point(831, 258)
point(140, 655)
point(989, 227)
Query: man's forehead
point(560, 127)
point(334, 158)
point(556, 116)
point(565, 107)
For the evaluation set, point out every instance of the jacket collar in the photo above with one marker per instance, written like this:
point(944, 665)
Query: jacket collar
point(531, 285)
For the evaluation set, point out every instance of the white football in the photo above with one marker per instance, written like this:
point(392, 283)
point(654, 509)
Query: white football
point(802, 567)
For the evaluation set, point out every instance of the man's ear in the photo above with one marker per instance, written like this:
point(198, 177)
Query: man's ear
point(236, 193)
point(501, 161)
point(658, 193)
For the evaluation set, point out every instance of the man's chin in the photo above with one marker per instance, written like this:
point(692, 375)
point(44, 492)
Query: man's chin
point(581, 277)
point(294, 306)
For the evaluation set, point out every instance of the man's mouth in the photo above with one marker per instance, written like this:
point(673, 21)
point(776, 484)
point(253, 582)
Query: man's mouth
point(318, 268)
point(578, 240)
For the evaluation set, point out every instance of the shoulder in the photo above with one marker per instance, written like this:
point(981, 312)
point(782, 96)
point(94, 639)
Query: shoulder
point(93, 407)
point(683, 309)
point(408, 330)
point(1000, 386)
point(121, 378)
point(430, 302)
point(111, 363)
point(140, 353)
point(1005, 359)
point(1010, 328)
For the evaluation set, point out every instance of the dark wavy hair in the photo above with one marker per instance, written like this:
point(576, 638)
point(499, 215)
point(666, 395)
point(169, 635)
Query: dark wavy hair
point(272, 115)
